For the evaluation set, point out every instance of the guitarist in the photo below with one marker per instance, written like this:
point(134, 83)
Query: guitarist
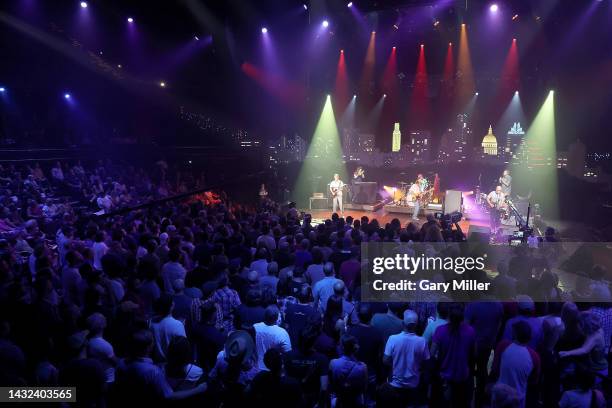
point(415, 193)
point(335, 187)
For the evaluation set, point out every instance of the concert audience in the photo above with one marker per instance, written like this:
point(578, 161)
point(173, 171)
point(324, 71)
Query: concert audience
point(203, 302)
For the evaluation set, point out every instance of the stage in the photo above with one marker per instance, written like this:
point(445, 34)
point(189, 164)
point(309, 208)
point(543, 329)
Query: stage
point(384, 217)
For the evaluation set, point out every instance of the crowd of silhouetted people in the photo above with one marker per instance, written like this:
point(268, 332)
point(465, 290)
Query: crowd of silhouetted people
point(211, 303)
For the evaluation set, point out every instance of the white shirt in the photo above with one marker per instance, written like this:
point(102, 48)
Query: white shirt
point(337, 184)
point(268, 337)
point(164, 331)
point(407, 351)
point(57, 173)
point(496, 198)
point(105, 203)
point(515, 368)
point(414, 191)
point(99, 250)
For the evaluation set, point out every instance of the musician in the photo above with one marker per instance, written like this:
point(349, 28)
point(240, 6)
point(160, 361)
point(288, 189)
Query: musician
point(422, 181)
point(359, 175)
point(263, 193)
point(415, 194)
point(497, 201)
point(335, 188)
point(506, 183)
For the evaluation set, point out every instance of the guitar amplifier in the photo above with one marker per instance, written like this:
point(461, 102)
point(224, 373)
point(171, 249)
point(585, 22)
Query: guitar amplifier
point(318, 195)
point(319, 203)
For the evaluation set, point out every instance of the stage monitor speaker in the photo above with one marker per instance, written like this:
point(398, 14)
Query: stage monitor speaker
point(477, 233)
point(452, 201)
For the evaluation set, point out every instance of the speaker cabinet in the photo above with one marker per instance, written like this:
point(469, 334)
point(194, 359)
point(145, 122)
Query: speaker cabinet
point(452, 201)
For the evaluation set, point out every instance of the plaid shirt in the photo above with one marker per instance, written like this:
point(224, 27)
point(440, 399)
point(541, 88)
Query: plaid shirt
point(196, 315)
point(229, 300)
point(605, 319)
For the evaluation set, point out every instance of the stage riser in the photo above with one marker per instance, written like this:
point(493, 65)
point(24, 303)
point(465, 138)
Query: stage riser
point(364, 207)
point(429, 209)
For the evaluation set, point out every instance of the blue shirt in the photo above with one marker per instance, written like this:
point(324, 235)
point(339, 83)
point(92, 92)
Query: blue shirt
point(323, 290)
point(485, 318)
point(143, 379)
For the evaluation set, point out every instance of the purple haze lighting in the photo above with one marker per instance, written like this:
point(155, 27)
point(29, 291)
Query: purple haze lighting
point(130, 20)
point(493, 8)
point(83, 4)
point(264, 30)
point(325, 23)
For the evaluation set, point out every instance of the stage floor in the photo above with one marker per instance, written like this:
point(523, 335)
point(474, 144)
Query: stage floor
point(384, 217)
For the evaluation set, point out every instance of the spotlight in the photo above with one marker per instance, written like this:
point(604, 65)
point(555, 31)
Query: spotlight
point(83, 4)
point(516, 92)
point(393, 47)
point(350, 4)
point(463, 25)
point(552, 92)
point(515, 17)
point(325, 23)
point(264, 30)
point(476, 94)
point(514, 40)
point(374, 32)
point(450, 44)
point(422, 45)
point(341, 51)
point(162, 84)
point(354, 96)
point(328, 96)
point(67, 96)
point(396, 26)
point(119, 66)
point(437, 23)
point(195, 37)
point(2, 89)
point(493, 8)
point(305, 6)
point(384, 95)
point(130, 20)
